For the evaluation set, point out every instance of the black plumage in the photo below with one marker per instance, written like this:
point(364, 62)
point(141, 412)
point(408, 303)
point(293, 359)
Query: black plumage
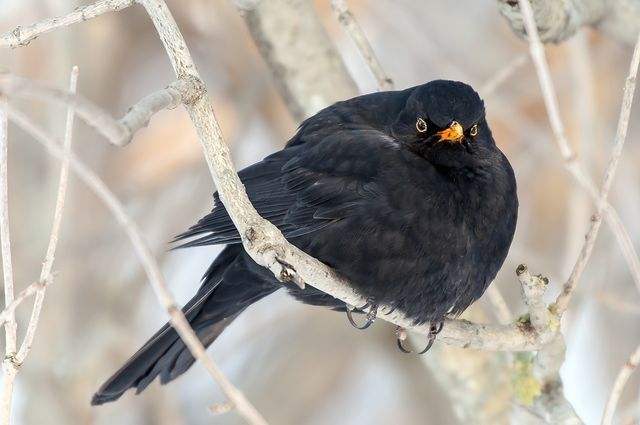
point(403, 193)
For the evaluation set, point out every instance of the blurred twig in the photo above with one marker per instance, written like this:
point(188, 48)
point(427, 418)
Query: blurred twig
point(45, 273)
point(571, 160)
point(621, 134)
point(616, 392)
point(346, 18)
point(176, 317)
point(503, 75)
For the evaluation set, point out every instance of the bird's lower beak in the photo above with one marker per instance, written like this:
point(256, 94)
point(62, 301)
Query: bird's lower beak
point(454, 133)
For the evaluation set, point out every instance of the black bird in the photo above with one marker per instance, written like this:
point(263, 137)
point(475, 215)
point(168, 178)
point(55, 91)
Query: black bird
point(403, 193)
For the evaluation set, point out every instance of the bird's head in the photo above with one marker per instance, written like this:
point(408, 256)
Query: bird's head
point(444, 121)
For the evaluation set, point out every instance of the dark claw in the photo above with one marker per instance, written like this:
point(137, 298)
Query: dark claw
point(433, 332)
point(393, 308)
point(371, 315)
point(401, 336)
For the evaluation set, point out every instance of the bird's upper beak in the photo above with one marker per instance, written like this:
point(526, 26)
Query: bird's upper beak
point(454, 133)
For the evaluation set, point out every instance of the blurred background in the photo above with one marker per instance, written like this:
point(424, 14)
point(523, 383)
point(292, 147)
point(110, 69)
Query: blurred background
point(301, 364)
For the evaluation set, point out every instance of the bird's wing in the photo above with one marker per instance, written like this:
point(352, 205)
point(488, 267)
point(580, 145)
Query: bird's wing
point(303, 187)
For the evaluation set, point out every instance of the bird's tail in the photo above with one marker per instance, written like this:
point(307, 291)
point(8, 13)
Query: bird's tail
point(219, 301)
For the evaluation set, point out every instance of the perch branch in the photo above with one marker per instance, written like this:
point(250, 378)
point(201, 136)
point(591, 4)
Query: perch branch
point(571, 160)
point(559, 20)
point(621, 380)
point(151, 268)
point(23, 35)
point(47, 265)
point(351, 26)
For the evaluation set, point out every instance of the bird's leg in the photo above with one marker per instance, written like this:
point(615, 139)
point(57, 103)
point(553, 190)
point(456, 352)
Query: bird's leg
point(371, 314)
point(392, 309)
point(434, 330)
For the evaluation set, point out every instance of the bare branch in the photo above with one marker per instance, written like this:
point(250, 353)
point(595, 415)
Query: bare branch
point(621, 380)
point(559, 20)
point(176, 317)
point(306, 68)
point(350, 24)
point(21, 36)
point(503, 75)
point(570, 158)
point(10, 327)
point(23, 295)
point(47, 264)
point(621, 135)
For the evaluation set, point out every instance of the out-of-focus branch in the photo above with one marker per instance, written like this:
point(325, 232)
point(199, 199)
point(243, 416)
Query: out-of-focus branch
point(23, 35)
point(47, 264)
point(23, 295)
point(571, 161)
point(118, 132)
point(151, 268)
point(559, 20)
point(8, 365)
point(503, 75)
point(346, 18)
point(305, 65)
point(621, 380)
point(621, 135)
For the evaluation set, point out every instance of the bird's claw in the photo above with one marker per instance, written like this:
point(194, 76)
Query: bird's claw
point(434, 330)
point(371, 315)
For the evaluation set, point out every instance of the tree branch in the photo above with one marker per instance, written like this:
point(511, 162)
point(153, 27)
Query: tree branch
point(306, 68)
point(151, 268)
point(350, 24)
point(571, 160)
point(23, 35)
point(8, 365)
point(621, 380)
point(559, 20)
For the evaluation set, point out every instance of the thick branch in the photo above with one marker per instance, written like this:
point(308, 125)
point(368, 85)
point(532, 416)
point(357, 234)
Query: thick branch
point(306, 68)
point(559, 20)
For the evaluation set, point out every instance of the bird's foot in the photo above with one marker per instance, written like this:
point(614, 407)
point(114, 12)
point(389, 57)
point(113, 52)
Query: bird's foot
point(434, 330)
point(371, 314)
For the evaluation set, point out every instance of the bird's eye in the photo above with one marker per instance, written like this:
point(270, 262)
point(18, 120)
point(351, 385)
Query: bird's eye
point(474, 130)
point(421, 125)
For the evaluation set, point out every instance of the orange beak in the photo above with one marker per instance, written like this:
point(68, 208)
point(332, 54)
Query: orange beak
point(454, 133)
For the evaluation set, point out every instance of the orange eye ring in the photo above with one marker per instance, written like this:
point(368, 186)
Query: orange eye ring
point(421, 125)
point(474, 130)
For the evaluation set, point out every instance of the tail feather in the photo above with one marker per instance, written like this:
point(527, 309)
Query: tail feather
point(224, 295)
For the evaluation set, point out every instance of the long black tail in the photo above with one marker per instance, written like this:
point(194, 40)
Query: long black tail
point(228, 289)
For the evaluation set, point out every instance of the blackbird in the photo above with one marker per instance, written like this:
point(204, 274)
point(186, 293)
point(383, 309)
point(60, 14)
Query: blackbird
point(403, 193)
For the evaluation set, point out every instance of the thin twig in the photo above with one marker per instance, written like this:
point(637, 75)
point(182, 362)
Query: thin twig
point(176, 317)
point(618, 385)
point(21, 36)
point(23, 295)
point(621, 134)
point(490, 86)
point(346, 18)
point(570, 159)
point(10, 327)
point(118, 132)
point(500, 308)
point(47, 264)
